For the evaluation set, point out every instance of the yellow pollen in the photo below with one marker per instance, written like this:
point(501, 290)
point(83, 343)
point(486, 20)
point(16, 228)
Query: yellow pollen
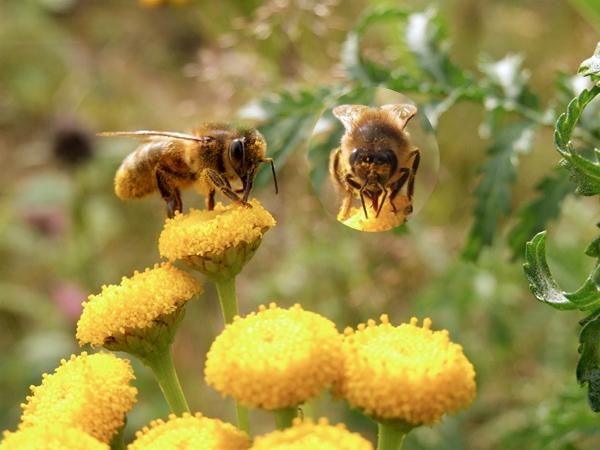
point(135, 303)
point(387, 220)
point(275, 358)
point(204, 233)
point(89, 392)
point(309, 436)
point(50, 437)
point(408, 373)
point(190, 432)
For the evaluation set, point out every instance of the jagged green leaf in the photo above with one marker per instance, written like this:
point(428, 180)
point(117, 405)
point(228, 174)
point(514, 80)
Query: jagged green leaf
point(545, 288)
point(286, 120)
point(585, 172)
point(535, 215)
point(494, 190)
point(588, 367)
point(591, 66)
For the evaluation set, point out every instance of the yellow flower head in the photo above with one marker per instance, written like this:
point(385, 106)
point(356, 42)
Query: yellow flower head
point(309, 436)
point(387, 220)
point(218, 242)
point(135, 304)
point(50, 437)
point(190, 433)
point(406, 373)
point(89, 392)
point(276, 358)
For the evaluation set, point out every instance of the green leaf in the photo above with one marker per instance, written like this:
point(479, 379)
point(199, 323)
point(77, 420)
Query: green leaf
point(585, 172)
point(535, 215)
point(545, 288)
point(286, 120)
point(591, 66)
point(588, 367)
point(494, 190)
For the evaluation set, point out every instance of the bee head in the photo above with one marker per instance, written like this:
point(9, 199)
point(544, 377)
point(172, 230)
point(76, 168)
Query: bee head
point(374, 166)
point(246, 153)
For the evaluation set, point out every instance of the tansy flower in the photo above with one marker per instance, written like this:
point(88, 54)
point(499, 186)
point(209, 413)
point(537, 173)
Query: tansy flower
point(276, 358)
point(309, 436)
point(190, 433)
point(89, 392)
point(217, 243)
point(135, 304)
point(405, 373)
point(387, 220)
point(50, 437)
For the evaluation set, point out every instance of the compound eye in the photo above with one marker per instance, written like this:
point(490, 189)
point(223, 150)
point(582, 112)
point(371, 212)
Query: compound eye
point(237, 150)
point(356, 156)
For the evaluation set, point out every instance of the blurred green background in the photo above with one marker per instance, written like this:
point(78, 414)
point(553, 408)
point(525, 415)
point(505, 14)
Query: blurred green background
point(71, 68)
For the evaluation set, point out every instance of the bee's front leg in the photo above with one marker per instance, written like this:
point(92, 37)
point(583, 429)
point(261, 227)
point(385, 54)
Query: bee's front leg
point(397, 185)
point(169, 193)
point(210, 200)
point(219, 182)
point(410, 189)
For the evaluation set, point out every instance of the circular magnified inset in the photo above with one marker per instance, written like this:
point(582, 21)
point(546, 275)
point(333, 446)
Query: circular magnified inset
point(373, 159)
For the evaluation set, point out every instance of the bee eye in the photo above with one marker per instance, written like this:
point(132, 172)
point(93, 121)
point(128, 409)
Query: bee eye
point(357, 155)
point(236, 150)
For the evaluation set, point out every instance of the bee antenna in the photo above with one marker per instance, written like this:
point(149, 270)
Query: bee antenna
point(270, 160)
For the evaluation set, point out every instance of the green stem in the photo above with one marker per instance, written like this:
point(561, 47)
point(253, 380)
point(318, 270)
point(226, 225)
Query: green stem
point(229, 308)
point(284, 417)
point(161, 364)
point(228, 299)
point(117, 442)
point(390, 437)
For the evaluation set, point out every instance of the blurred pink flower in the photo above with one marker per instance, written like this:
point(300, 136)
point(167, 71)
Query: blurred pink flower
point(68, 297)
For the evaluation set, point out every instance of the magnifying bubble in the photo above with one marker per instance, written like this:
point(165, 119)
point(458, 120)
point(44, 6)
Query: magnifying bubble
point(373, 158)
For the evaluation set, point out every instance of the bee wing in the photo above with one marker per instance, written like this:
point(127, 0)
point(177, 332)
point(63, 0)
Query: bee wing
point(349, 114)
point(401, 113)
point(150, 135)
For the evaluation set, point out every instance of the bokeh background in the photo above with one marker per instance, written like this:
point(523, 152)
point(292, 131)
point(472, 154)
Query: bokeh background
point(71, 68)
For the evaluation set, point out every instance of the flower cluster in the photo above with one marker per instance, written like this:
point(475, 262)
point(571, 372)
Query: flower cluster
point(88, 392)
point(135, 304)
point(308, 436)
point(407, 372)
point(275, 358)
point(190, 432)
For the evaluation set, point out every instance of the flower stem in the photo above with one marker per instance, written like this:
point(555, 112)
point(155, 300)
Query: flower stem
point(390, 437)
point(117, 442)
point(229, 308)
point(284, 417)
point(228, 298)
point(161, 363)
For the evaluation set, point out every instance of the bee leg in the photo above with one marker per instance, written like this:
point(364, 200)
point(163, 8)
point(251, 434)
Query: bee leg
point(170, 194)
point(220, 183)
point(385, 194)
point(346, 205)
point(210, 200)
point(413, 171)
point(397, 185)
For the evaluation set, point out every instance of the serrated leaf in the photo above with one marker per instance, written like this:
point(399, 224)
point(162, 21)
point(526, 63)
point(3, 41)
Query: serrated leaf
point(535, 215)
point(286, 120)
point(588, 367)
point(507, 75)
point(545, 288)
point(494, 190)
point(591, 66)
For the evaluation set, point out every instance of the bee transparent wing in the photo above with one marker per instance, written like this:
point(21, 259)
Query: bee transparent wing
point(149, 135)
point(349, 114)
point(401, 113)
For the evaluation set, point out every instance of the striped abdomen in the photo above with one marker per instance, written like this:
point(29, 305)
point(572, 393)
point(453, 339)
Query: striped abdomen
point(136, 176)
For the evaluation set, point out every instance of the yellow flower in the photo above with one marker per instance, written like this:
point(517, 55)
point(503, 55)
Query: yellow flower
point(156, 3)
point(135, 304)
point(218, 242)
point(387, 220)
point(405, 373)
point(309, 436)
point(190, 433)
point(276, 358)
point(50, 437)
point(89, 392)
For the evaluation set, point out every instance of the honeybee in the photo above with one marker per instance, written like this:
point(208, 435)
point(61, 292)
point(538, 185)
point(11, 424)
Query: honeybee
point(375, 159)
point(212, 157)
